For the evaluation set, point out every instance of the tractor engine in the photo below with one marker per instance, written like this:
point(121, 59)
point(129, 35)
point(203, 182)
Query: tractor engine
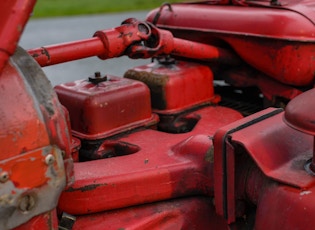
point(215, 132)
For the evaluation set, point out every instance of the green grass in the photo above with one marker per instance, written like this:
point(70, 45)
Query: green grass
point(54, 8)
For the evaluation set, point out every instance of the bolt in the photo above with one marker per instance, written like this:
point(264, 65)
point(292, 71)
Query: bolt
point(4, 176)
point(50, 159)
point(97, 74)
point(27, 203)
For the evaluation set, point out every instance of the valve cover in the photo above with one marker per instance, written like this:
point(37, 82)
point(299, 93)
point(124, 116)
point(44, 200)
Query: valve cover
point(176, 87)
point(101, 109)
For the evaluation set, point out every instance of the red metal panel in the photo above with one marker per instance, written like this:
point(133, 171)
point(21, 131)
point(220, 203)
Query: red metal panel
point(284, 207)
point(13, 17)
point(281, 155)
point(178, 214)
point(47, 220)
point(287, 58)
point(244, 21)
point(278, 150)
point(172, 165)
point(300, 113)
point(26, 138)
point(106, 108)
point(224, 163)
point(35, 143)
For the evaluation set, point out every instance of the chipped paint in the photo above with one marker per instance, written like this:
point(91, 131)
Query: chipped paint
point(303, 193)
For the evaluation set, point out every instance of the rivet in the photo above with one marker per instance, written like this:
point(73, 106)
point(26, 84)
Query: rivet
point(27, 203)
point(50, 159)
point(4, 177)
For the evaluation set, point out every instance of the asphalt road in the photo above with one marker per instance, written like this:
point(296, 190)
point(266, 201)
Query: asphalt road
point(41, 32)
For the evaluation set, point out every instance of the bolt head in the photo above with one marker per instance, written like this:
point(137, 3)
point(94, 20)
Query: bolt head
point(4, 177)
point(50, 159)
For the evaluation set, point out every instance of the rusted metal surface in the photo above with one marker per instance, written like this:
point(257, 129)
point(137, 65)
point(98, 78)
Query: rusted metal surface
point(224, 164)
point(173, 165)
point(193, 82)
point(175, 159)
point(249, 30)
point(133, 38)
point(105, 109)
point(32, 126)
point(26, 194)
point(48, 220)
point(13, 17)
point(173, 214)
point(270, 88)
point(278, 157)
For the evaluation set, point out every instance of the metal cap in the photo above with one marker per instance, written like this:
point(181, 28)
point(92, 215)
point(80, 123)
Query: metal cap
point(300, 113)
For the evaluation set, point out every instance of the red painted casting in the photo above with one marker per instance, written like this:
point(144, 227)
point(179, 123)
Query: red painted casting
point(166, 146)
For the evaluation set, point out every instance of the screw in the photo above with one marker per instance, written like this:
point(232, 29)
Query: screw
point(50, 159)
point(4, 176)
point(27, 203)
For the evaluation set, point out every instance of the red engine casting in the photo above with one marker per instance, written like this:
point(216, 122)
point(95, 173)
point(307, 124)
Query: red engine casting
point(217, 132)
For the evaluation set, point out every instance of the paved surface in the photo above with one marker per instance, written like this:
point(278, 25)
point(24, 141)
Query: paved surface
point(42, 32)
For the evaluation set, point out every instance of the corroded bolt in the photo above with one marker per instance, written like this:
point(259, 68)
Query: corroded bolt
point(27, 203)
point(50, 159)
point(4, 177)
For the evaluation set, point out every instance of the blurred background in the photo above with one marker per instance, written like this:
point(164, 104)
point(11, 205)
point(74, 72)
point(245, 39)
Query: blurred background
point(54, 8)
point(58, 21)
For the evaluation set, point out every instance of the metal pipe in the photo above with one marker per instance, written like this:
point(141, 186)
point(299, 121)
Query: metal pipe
point(55, 54)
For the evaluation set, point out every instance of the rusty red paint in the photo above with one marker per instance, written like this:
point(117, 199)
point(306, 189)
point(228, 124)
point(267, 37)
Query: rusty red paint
point(117, 42)
point(193, 82)
point(188, 213)
point(32, 125)
point(47, 220)
point(288, 57)
point(254, 167)
point(13, 17)
point(280, 155)
point(104, 109)
point(16, 140)
point(292, 203)
point(176, 167)
point(21, 169)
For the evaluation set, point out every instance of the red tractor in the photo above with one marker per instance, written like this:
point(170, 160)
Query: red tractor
point(215, 133)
